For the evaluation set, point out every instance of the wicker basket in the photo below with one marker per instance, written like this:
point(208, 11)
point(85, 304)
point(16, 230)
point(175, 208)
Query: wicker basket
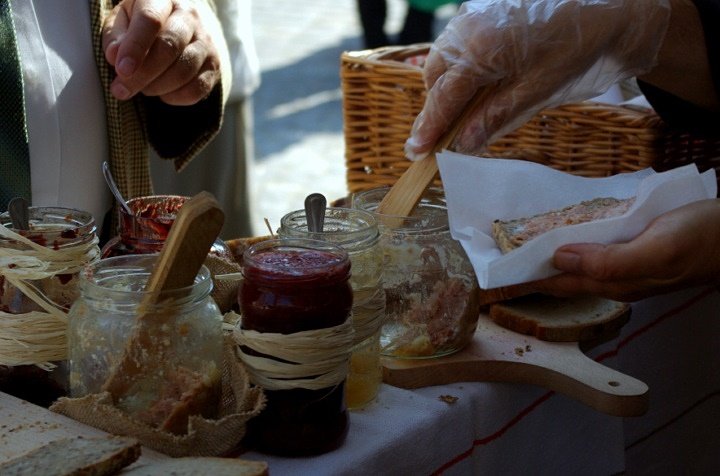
point(383, 91)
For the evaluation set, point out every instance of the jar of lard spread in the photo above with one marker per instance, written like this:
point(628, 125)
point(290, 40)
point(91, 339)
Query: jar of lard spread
point(295, 338)
point(146, 229)
point(101, 322)
point(357, 233)
point(430, 287)
point(38, 285)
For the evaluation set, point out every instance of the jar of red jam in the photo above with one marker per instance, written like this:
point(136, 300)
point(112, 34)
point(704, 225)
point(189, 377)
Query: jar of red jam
point(356, 231)
point(295, 337)
point(146, 229)
point(39, 282)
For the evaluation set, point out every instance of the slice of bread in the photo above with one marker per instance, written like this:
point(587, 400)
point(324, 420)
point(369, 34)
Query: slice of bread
point(503, 293)
point(75, 456)
point(574, 319)
point(512, 234)
point(200, 466)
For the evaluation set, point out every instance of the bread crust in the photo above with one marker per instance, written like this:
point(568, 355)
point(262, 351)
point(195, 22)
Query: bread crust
point(503, 293)
point(554, 319)
point(201, 466)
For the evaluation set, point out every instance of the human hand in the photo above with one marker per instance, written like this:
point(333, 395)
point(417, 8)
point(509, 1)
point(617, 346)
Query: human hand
point(678, 249)
point(163, 48)
point(530, 55)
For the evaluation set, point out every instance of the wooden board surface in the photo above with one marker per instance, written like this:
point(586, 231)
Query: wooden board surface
point(500, 355)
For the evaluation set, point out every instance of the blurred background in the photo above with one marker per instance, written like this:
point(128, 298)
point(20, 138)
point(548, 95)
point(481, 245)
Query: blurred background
point(299, 147)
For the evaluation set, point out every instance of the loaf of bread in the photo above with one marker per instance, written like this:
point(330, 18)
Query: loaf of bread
point(201, 466)
point(573, 319)
point(514, 233)
point(75, 457)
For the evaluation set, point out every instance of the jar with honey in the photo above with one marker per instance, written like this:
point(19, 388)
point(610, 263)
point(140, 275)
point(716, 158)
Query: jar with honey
point(431, 290)
point(295, 338)
point(356, 231)
point(39, 282)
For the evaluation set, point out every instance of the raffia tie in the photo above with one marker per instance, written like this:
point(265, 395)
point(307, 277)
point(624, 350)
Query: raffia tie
point(37, 337)
point(369, 316)
point(313, 360)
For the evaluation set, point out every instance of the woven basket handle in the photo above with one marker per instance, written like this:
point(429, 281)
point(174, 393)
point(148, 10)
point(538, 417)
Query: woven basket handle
point(403, 197)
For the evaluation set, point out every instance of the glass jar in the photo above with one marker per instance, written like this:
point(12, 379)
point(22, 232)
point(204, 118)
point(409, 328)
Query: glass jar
point(356, 231)
point(431, 289)
point(146, 230)
point(296, 299)
point(102, 321)
point(38, 285)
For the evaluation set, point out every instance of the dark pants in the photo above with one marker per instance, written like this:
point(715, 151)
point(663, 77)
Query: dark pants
point(418, 26)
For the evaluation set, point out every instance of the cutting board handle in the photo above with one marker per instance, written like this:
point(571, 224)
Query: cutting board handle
point(499, 355)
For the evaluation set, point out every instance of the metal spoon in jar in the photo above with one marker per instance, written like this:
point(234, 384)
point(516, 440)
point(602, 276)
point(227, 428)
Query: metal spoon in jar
point(114, 189)
point(315, 204)
point(19, 214)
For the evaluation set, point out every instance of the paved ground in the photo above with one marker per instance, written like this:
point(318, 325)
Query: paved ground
point(298, 110)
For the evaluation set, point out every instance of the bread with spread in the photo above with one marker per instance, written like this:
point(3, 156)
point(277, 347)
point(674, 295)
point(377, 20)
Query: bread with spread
point(511, 234)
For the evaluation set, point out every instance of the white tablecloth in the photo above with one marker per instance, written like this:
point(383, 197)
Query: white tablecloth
point(672, 343)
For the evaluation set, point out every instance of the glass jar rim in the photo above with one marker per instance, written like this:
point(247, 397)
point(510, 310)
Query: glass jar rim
point(102, 276)
point(430, 215)
point(364, 234)
point(64, 227)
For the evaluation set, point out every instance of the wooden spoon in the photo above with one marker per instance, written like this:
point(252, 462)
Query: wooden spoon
point(404, 195)
point(191, 236)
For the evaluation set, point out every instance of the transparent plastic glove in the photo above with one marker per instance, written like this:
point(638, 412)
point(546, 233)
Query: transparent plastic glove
point(530, 55)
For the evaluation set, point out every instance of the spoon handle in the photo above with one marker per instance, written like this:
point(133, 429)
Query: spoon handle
point(315, 204)
point(19, 215)
point(114, 188)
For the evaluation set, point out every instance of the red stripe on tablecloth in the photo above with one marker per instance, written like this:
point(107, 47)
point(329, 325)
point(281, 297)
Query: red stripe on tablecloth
point(494, 436)
point(526, 411)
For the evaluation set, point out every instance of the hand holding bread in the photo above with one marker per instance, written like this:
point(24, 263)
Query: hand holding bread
point(678, 249)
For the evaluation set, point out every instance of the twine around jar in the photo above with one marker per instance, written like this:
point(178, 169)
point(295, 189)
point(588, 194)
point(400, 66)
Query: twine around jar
point(313, 359)
point(37, 337)
point(369, 315)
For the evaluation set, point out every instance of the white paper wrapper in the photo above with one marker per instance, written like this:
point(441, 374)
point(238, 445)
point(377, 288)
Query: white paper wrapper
point(480, 190)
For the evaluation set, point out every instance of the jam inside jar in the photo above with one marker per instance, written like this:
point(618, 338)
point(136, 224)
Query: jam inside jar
point(33, 366)
point(146, 229)
point(291, 286)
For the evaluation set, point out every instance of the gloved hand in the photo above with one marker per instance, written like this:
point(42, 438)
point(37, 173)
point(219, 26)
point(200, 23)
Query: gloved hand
point(530, 55)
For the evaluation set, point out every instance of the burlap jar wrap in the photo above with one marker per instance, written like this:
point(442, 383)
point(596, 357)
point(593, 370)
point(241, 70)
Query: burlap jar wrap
point(239, 403)
point(226, 279)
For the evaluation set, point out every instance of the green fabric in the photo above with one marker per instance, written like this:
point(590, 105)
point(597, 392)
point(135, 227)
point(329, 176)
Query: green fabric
point(14, 151)
point(429, 5)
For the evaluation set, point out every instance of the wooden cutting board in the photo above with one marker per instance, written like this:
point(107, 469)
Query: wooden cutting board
point(497, 354)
